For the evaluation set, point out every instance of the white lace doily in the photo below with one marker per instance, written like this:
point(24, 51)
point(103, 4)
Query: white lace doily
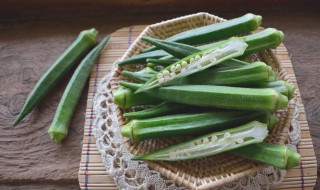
point(130, 174)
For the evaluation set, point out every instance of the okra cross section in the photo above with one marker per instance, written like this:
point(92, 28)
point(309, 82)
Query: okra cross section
point(215, 54)
point(211, 144)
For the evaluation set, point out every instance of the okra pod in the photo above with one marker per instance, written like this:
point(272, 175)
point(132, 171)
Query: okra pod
point(281, 86)
point(191, 124)
point(85, 41)
point(141, 58)
point(217, 31)
point(162, 62)
point(277, 155)
point(59, 127)
point(259, 99)
point(211, 144)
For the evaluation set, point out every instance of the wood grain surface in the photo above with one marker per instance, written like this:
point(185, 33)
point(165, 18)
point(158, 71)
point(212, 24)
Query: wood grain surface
point(29, 160)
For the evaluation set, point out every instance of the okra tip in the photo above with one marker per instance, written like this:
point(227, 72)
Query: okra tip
point(120, 97)
point(293, 159)
point(91, 33)
point(282, 102)
point(291, 89)
point(56, 137)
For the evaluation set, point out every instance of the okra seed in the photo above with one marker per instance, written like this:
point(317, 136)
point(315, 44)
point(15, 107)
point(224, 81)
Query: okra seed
point(227, 135)
point(184, 64)
point(214, 138)
point(197, 57)
point(178, 67)
point(166, 78)
point(165, 73)
point(173, 68)
point(161, 80)
point(239, 141)
point(205, 141)
point(192, 60)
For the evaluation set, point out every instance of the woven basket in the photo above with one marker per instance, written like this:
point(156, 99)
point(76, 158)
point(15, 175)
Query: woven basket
point(209, 172)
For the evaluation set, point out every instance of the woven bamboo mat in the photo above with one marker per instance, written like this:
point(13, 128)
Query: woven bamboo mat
point(92, 173)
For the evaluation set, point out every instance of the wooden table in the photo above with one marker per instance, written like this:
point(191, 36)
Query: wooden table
point(29, 160)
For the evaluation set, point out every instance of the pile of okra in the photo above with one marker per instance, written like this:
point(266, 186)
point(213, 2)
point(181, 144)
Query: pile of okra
point(203, 84)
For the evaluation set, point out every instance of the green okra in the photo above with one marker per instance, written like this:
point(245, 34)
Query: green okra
point(266, 39)
point(189, 124)
point(125, 98)
point(59, 127)
point(277, 155)
point(197, 62)
point(141, 58)
point(211, 144)
point(259, 99)
point(72, 55)
point(281, 86)
point(217, 31)
point(252, 74)
point(233, 63)
point(140, 76)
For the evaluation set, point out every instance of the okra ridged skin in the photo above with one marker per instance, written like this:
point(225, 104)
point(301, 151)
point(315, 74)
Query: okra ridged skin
point(270, 38)
point(217, 31)
point(159, 110)
point(263, 99)
point(211, 144)
point(162, 62)
point(247, 75)
point(181, 125)
point(71, 56)
point(277, 155)
point(125, 98)
point(281, 86)
point(141, 58)
point(140, 76)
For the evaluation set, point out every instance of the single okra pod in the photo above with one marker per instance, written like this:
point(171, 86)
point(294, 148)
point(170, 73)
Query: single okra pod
point(197, 62)
point(140, 76)
point(248, 75)
point(125, 98)
point(259, 99)
point(211, 144)
point(217, 31)
point(188, 124)
point(277, 155)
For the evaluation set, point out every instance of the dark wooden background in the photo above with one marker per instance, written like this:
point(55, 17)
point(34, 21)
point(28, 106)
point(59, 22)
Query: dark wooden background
point(33, 34)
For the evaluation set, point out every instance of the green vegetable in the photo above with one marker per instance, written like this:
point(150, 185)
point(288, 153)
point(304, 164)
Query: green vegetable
point(141, 58)
point(281, 86)
point(85, 41)
point(233, 63)
point(142, 75)
point(181, 125)
point(253, 74)
point(277, 155)
point(159, 110)
point(266, 39)
point(217, 31)
point(162, 62)
point(197, 62)
point(259, 99)
point(211, 144)
point(125, 98)
point(60, 124)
